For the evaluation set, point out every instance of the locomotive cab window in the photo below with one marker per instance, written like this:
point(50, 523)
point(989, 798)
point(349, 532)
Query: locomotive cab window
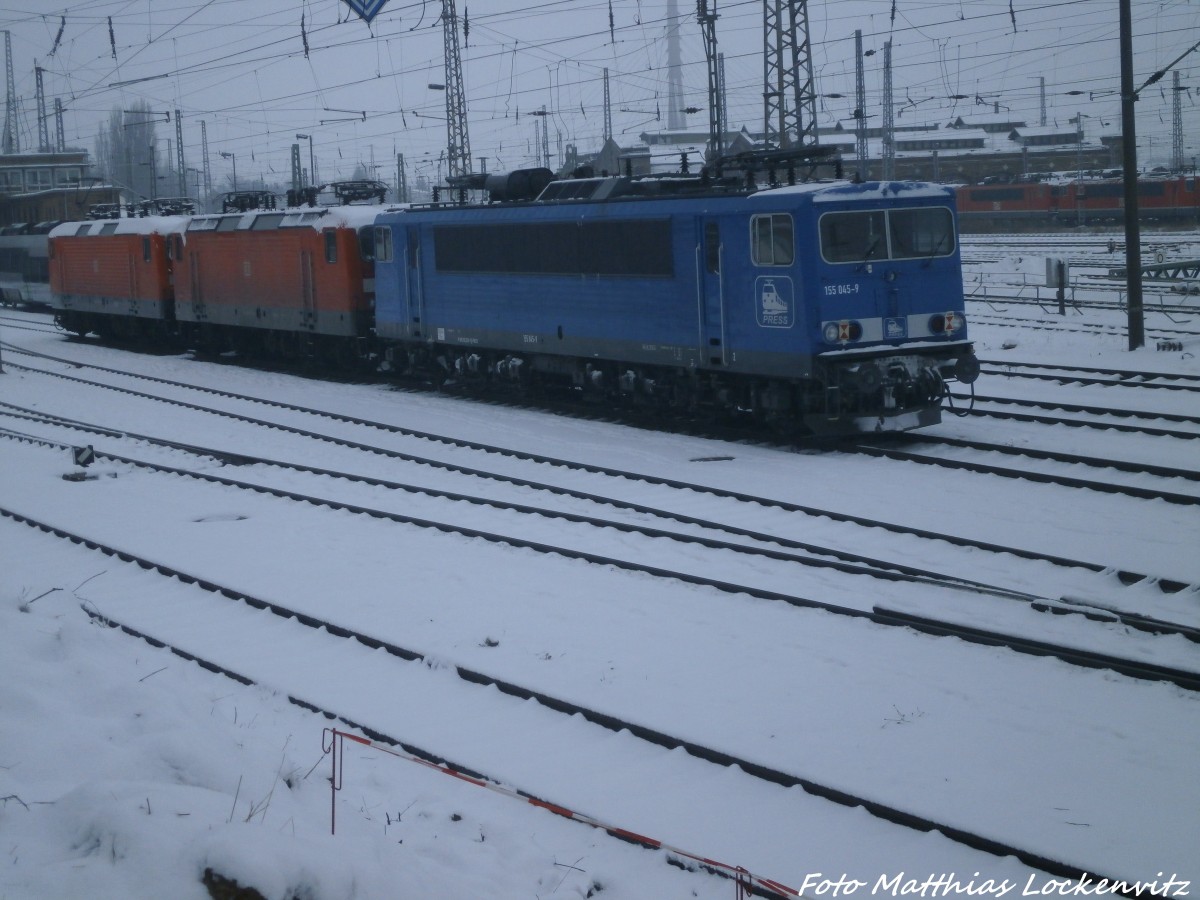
point(859, 237)
point(853, 237)
point(145, 249)
point(921, 233)
point(330, 245)
point(771, 240)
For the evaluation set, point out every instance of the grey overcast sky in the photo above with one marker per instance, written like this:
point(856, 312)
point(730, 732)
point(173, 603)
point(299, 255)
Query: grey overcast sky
point(362, 91)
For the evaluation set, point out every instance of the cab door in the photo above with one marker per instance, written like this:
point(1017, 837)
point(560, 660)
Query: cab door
point(710, 293)
point(308, 291)
point(414, 275)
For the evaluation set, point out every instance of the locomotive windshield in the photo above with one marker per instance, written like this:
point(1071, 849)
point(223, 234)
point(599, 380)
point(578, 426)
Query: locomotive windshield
point(856, 237)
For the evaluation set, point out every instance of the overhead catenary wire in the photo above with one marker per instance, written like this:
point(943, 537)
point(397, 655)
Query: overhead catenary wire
point(588, 49)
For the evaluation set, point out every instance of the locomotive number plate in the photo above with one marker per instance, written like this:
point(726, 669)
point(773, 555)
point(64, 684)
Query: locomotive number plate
point(834, 290)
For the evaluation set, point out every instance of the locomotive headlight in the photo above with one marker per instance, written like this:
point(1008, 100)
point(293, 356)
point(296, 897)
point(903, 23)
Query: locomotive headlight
point(946, 323)
point(841, 332)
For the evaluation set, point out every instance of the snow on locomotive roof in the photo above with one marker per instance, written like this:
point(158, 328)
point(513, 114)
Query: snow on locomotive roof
point(316, 217)
point(912, 190)
point(132, 225)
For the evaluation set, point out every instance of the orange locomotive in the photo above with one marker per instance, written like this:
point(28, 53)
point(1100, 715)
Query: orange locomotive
point(295, 282)
point(114, 277)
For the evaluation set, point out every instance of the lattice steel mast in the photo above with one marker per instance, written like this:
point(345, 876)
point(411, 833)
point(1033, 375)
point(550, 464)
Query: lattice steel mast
point(889, 118)
point(60, 135)
point(12, 141)
point(1176, 125)
point(204, 156)
point(607, 110)
point(180, 162)
point(43, 125)
point(789, 89)
point(860, 109)
point(716, 112)
point(458, 144)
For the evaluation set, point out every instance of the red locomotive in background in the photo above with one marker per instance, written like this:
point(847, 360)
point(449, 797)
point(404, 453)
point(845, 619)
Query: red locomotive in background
point(1040, 205)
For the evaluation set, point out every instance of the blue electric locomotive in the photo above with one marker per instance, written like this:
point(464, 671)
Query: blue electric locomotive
point(834, 307)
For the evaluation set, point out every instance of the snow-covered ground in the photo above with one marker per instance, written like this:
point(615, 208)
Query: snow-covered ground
point(126, 771)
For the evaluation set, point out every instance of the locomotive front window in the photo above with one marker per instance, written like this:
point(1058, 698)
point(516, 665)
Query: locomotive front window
point(771, 240)
point(853, 237)
point(921, 233)
point(859, 237)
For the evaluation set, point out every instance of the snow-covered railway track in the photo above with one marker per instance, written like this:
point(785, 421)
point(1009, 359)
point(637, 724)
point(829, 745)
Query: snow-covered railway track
point(613, 490)
point(1150, 482)
point(1100, 418)
point(1092, 375)
point(744, 518)
point(761, 550)
point(1162, 301)
point(934, 604)
point(209, 634)
point(25, 325)
point(1103, 412)
point(1153, 332)
point(614, 498)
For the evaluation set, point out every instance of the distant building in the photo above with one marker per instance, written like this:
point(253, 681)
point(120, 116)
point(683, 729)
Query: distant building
point(1043, 135)
point(990, 146)
point(942, 140)
point(992, 123)
point(48, 187)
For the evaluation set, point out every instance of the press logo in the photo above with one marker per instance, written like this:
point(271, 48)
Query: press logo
point(775, 305)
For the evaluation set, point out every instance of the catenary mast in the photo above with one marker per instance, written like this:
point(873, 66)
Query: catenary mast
point(789, 89)
point(458, 144)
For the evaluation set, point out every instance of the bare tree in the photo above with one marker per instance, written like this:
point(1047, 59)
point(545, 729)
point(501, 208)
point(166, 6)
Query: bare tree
point(127, 149)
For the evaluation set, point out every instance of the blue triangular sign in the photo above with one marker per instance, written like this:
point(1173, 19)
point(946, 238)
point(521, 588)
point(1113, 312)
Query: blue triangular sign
point(368, 9)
